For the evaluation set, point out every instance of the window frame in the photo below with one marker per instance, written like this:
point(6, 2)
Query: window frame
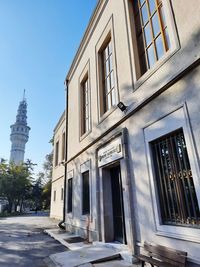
point(139, 79)
point(174, 181)
point(86, 167)
point(63, 145)
point(56, 162)
point(70, 204)
point(54, 195)
point(150, 41)
point(106, 34)
point(106, 94)
point(85, 75)
point(85, 106)
point(159, 128)
point(70, 175)
point(62, 194)
point(85, 212)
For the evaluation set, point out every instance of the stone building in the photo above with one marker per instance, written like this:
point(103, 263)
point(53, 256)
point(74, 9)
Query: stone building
point(57, 187)
point(19, 133)
point(133, 93)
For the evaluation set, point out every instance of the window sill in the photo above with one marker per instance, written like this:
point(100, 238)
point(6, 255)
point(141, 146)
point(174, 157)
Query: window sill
point(60, 164)
point(107, 113)
point(177, 232)
point(84, 135)
point(70, 215)
point(85, 217)
point(157, 66)
point(162, 126)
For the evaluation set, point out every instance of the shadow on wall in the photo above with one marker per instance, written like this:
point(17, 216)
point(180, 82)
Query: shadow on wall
point(186, 90)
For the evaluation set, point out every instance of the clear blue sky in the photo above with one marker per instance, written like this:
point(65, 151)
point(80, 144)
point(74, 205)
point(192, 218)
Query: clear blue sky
point(38, 40)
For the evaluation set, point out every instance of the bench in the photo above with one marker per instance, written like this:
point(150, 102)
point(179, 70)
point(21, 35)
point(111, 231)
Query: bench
point(162, 256)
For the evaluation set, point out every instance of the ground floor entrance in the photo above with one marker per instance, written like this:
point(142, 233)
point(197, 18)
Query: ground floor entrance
point(117, 205)
point(114, 219)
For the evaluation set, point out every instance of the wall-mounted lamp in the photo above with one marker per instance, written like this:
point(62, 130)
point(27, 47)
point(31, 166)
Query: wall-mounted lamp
point(121, 106)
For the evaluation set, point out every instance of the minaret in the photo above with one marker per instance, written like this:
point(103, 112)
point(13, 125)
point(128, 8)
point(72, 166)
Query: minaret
point(19, 133)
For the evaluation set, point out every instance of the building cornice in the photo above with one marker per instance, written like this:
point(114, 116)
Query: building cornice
point(56, 179)
point(87, 35)
point(178, 76)
point(59, 123)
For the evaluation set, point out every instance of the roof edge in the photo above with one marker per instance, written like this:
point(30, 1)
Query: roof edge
point(85, 36)
point(62, 118)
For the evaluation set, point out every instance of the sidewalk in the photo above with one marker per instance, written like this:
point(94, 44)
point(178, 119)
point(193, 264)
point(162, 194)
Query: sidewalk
point(84, 254)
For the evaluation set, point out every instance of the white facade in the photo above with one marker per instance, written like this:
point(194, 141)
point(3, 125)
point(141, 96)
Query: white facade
point(57, 187)
point(161, 103)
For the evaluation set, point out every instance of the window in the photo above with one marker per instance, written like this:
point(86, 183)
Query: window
point(174, 180)
point(69, 195)
point(108, 92)
point(85, 105)
point(56, 153)
point(63, 146)
point(151, 32)
point(171, 155)
point(85, 193)
point(54, 195)
point(62, 193)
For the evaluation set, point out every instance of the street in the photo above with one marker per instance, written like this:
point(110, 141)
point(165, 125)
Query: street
point(23, 243)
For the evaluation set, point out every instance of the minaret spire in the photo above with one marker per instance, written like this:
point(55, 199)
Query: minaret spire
point(19, 133)
point(24, 98)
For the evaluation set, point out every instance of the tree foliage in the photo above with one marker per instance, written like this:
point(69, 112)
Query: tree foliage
point(42, 186)
point(48, 167)
point(47, 178)
point(18, 187)
point(15, 183)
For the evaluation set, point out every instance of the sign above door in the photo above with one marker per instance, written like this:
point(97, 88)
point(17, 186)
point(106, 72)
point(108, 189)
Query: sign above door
point(110, 152)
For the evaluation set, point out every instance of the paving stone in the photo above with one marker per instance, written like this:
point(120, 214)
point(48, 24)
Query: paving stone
point(83, 256)
point(86, 265)
point(115, 263)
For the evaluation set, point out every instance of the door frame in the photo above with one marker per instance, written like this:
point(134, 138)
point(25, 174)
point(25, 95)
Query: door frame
point(107, 229)
point(108, 179)
point(127, 191)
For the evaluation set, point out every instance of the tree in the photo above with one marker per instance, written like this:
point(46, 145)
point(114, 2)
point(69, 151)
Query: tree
point(46, 195)
point(42, 186)
point(47, 178)
point(18, 186)
point(48, 166)
point(15, 183)
point(37, 193)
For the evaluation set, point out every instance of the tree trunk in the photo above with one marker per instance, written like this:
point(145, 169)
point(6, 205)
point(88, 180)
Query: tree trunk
point(10, 204)
point(21, 204)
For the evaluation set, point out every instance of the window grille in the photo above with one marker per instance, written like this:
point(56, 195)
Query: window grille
point(175, 186)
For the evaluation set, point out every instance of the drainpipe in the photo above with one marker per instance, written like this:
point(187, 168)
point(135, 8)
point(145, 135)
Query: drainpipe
point(61, 224)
